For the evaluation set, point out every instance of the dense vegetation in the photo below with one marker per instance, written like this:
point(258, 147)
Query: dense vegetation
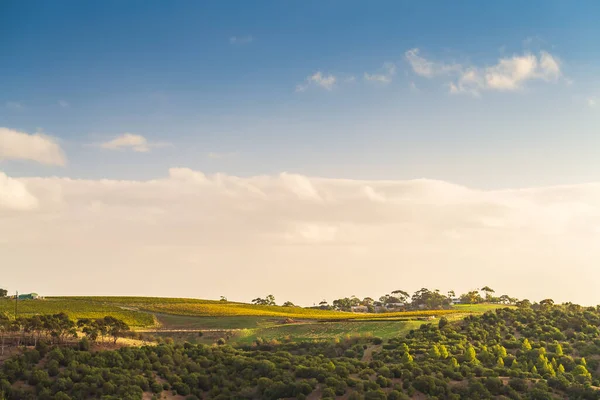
point(56, 329)
point(540, 352)
point(421, 299)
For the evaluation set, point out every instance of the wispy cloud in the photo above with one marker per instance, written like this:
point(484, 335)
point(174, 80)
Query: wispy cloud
point(16, 145)
point(241, 39)
point(508, 74)
point(131, 141)
point(426, 68)
point(384, 76)
point(64, 104)
point(318, 79)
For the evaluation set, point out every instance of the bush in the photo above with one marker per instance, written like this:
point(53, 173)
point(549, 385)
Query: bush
point(328, 393)
point(84, 344)
point(375, 395)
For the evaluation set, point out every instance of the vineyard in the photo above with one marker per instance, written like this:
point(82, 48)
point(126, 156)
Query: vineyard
point(213, 308)
point(168, 313)
point(77, 309)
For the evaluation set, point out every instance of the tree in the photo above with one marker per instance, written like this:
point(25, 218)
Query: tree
point(401, 295)
point(546, 304)
point(454, 363)
point(270, 300)
point(443, 351)
point(60, 326)
point(558, 350)
point(3, 292)
point(526, 346)
point(115, 327)
point(514, 365)
point(523, 303)
point(367, 301)
point(267, 301)
point(428, 299)
point(223, 298)
point(34, 325)
point(289, 304)
point(4, 328)
point(470, 354)
point(434, 352)
point(89, 327)
point(472, 297)
point(488, 292)
point(443, 322)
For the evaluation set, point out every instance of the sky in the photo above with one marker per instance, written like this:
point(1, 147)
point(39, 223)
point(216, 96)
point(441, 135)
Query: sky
point(312, 150)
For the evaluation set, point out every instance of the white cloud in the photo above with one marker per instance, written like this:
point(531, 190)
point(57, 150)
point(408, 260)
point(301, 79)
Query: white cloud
point(508, 74)
point(417, 233)
point(15, 145)
point(14, 195)
point(386, 75)
point(241, 39)
point(325, 81)
point(137, 143)
point(426, 68)
point(64, 104)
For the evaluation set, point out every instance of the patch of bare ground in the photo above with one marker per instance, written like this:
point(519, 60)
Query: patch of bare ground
point(368, 353)
point(316, 394)
point(8, 352)
point(121, 342)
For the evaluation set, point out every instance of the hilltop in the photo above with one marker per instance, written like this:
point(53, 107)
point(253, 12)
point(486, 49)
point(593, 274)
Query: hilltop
point(184, 318)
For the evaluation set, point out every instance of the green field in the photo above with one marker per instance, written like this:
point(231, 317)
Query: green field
point(479, 308)
point(76, 309)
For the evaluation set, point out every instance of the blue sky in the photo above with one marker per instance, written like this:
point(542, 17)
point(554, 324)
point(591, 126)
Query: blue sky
point(264, 140)
point(170, 72)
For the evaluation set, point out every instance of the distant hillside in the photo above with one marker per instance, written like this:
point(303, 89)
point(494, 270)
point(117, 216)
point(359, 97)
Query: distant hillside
point(139, 311)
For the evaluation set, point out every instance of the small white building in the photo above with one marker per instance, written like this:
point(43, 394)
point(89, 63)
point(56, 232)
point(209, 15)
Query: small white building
point(359, 309)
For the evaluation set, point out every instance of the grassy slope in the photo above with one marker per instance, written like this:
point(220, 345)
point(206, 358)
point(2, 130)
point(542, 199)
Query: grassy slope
point(479, 308)
point(328, 330)
point(77, 309)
